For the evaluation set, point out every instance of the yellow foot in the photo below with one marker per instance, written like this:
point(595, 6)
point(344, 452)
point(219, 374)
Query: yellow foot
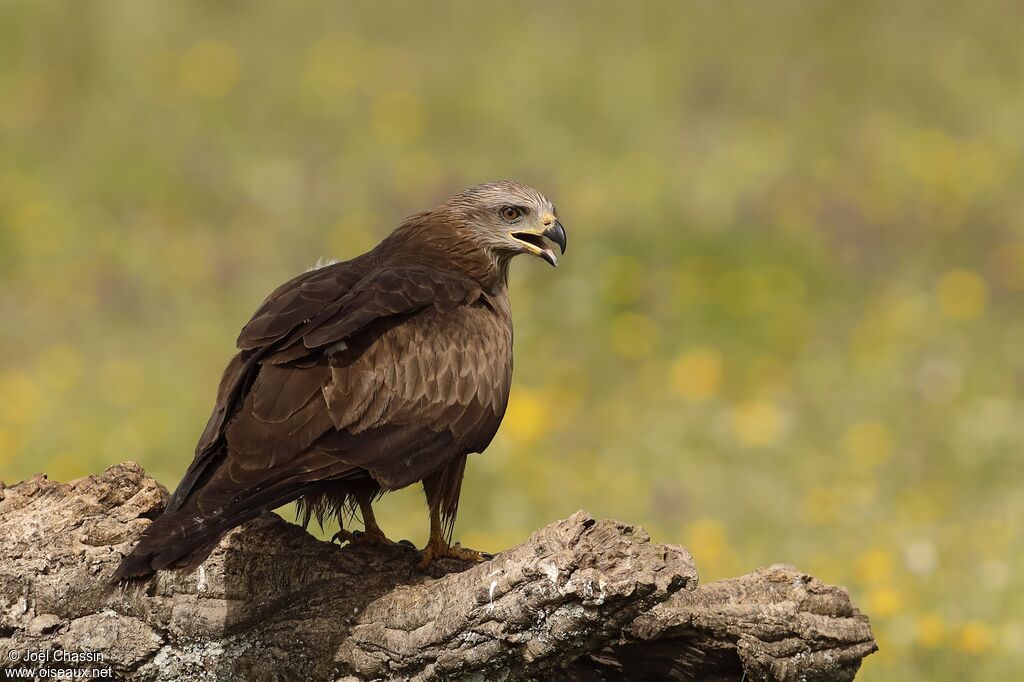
point(441, 550)
point(359, 538)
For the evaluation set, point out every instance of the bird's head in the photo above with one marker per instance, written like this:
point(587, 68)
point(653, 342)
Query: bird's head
point(507, 218)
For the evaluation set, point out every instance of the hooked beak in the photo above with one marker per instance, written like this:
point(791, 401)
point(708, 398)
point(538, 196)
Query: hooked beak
point(535, 244)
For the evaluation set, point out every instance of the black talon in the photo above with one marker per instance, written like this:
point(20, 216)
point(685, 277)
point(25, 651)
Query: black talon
point(407, 543)
point(487, 555)
point(337, 537)
point(356, 534)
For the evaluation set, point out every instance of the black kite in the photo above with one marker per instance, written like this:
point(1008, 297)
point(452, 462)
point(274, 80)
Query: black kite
point(362, 377)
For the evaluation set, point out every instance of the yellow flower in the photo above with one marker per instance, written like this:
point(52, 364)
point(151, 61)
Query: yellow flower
point(696, 374)
point(875, 566)
point(757, 422)
point(22, 398)
point(975, 637)
point(962, 295)
point(883, 602)
point(526, 418)
point(706, 539)
point(930, 629)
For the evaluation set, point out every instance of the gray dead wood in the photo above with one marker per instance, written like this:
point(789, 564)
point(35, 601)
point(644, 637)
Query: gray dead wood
point(581, 599)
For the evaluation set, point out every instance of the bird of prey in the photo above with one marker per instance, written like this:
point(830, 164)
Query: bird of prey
point(363, 377)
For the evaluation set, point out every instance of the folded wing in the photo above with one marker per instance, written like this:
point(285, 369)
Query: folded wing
point(345, 373)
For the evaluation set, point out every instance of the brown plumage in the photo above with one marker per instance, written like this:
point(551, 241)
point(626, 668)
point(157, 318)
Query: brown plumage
point(362, 377)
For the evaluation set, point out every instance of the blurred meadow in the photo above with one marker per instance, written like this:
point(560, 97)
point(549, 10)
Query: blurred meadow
point(788, 327)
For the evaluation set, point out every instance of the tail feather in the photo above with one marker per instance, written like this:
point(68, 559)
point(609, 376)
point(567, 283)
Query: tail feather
point(187, 535)
point(172, 539)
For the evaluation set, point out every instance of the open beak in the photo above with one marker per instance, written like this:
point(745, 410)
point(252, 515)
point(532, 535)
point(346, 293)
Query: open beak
point(535, 244)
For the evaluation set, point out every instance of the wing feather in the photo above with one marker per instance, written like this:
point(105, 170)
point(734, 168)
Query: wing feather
point(345, 351)
point(346, 373)
point(280, 391)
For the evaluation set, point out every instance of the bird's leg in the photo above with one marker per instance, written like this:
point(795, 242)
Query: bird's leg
point(372, 534)
point(438, 548)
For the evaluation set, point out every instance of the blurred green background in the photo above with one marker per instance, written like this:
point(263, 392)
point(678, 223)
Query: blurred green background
point(789, 326)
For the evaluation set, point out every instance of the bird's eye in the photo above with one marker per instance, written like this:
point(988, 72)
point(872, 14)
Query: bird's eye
point(511, 213)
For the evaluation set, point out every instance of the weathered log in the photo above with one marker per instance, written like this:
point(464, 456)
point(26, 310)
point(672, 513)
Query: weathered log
point(581, 599)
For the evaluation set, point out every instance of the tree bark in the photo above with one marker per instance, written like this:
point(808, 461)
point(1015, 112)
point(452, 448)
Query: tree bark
point(581, 599)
